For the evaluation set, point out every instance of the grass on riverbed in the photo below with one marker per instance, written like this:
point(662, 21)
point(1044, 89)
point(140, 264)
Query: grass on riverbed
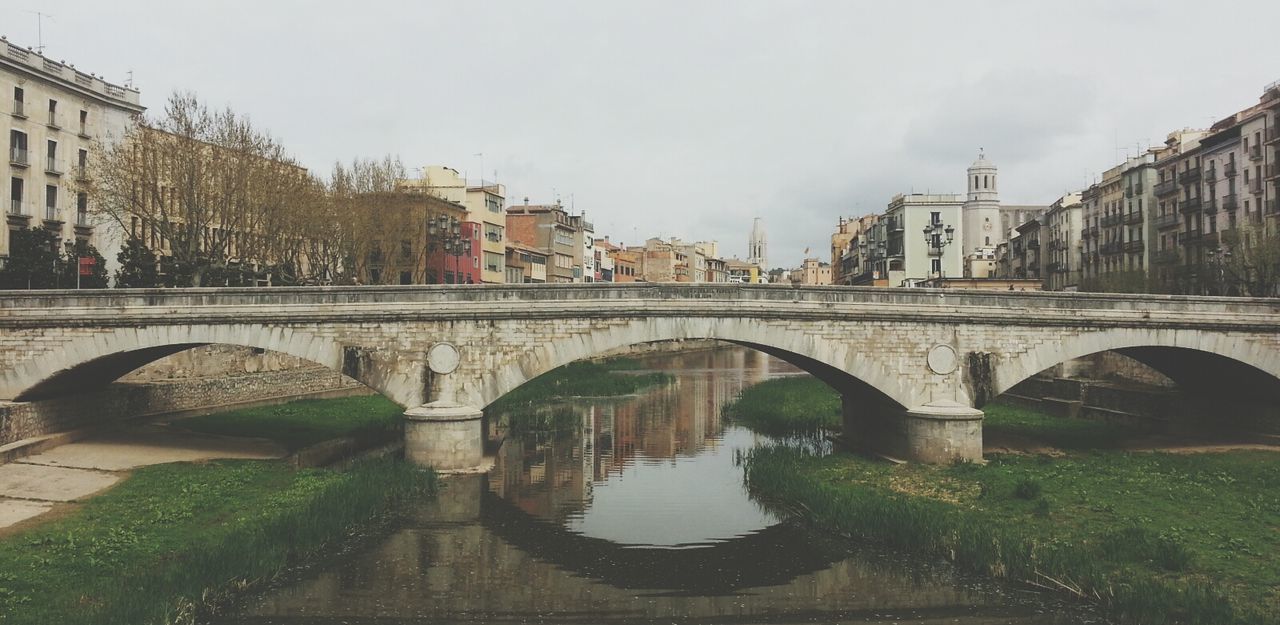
point(1008, 422)
point(785, 406)
point(147, 550)
point(581, 379)
point(299, 424)
point(1156, 538)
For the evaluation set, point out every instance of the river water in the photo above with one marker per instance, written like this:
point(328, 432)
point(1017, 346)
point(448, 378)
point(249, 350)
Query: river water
point(634, 511)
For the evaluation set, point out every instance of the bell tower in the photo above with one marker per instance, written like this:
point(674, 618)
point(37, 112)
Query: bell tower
point(982, 208)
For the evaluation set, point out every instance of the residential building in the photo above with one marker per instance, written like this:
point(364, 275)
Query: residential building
point(717, 270)
point(812, 272)
point(549, 228)
point(742, 272)
point(525, 264)
point(626, 264)
point(1103, 202)
point(910, 257)
point(1167, 265)
point(848, 258)
point(485, 202)
point(59, 117)
point(584, 240)
point(663, 261)
point(1025, 249)
point(605, 265)
point(1064, 221)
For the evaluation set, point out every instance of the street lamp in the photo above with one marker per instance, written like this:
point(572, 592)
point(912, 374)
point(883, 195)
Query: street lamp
point(445, 233)
point(939, 235)
point(1219, 257)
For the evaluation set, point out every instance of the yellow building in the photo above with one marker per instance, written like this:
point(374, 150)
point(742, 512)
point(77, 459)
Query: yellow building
point(486, 207)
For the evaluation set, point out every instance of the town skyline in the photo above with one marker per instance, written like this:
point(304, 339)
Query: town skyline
point(737, 140)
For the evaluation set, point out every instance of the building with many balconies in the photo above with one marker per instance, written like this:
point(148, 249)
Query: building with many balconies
point(59, 117)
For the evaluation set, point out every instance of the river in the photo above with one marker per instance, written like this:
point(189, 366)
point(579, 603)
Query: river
point(635, 513)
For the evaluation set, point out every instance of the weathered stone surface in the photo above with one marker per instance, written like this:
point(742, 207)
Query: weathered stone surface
point(444, 436)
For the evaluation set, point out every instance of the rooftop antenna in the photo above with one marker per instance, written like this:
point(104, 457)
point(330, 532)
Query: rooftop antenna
point(128, 81)
point(481, 155)
point(40, 30)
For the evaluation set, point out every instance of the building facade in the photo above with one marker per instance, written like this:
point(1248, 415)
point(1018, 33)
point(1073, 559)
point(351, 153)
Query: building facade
point(485, 202)
point(911, 259)
point(1064, 222)
point(549, 228)
point(59, 117)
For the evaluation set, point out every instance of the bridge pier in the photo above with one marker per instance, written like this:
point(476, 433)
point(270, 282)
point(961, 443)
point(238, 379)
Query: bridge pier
point(939, 432)
point(444, 436)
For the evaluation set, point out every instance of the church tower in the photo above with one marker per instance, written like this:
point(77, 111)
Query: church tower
point(982, 208)
point(756, 248)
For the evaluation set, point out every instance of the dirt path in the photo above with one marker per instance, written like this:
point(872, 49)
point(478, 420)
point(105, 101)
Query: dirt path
point(36, 484)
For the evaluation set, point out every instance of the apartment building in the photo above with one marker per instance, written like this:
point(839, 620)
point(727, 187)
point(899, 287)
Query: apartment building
point(549, 228)
point(525, 264)
point(910, 257)
point(584, 241)
point(1167, 262)
point(1063, 223)
point(485, 202)
point(57, 116)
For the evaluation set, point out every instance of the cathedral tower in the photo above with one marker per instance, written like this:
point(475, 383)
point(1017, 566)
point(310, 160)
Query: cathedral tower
point(757, 248)
point(981, 228)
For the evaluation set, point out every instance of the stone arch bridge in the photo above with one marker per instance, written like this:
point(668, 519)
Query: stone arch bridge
point(914, 365)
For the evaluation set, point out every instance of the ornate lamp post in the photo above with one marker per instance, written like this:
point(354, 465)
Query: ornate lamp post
point(445, 233)
point(939, 235)
point(1219, 258)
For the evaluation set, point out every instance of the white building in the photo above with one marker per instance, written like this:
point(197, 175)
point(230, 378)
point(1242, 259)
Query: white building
point(57, 114)
point(910, 258)
point(988, 223)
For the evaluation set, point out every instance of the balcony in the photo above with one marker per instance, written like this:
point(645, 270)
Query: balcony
point(1139, 189)
point(1211, 175)
point(51, 213)
point(1255, 153)
point(1211, 206)
point(1273, 207)
point(82, 173)
point(15, 207)
point(1189, 205)
point(1033, 244)
point(1133, 217)
point(82, 219)
point(1272, 171)
point(1168, 187)
point(1165, 257)
point(1230, 202)
point(1255, 186)
point(1091, 231)
point(1189, 176)
point(18, 157)
point(19, 109)
point(1133, 247)
point(1229, 170)
point(84, 131)
point(1167, 220)
point(51, 166)
point(935, 251)
point(1128, 192)
point(53, 121)
point(1111, 220)
point(1109, 249)
point(1273, 135)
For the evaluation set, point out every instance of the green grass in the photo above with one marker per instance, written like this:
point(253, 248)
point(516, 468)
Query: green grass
point(787, 406)
point(1005, 421)
point(306, 422)
point(170, 536)
point(1153, 537)
point(581, 379)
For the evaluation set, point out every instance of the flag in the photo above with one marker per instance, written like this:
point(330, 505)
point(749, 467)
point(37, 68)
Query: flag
point(86, 265)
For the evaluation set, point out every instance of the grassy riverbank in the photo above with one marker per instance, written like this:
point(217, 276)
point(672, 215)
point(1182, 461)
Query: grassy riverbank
point(173, 536)
point(1153, 537)
point(305, 422)
point(582, 379)
point(782, 406)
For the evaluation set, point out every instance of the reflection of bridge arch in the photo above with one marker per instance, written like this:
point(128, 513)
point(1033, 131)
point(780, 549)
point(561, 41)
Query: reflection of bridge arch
point(716, 568)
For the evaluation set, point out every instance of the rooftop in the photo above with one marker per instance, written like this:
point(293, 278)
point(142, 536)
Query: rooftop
point(67, 76)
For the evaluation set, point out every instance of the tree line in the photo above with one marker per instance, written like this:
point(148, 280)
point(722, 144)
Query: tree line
point(200, 197)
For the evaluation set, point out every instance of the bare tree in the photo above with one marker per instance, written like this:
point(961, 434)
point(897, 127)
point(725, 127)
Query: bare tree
point(203, 188)
point(1250, 260)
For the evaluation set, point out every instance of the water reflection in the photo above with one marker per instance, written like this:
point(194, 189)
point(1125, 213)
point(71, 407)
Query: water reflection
point(638, 514)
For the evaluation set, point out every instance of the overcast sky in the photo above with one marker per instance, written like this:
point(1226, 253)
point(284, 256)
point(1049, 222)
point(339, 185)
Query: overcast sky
point(690, 118)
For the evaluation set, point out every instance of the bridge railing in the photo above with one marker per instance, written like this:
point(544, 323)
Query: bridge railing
point(545, 293)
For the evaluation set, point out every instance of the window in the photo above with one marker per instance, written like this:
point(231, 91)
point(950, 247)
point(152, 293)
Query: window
point(937, 265)
point(18, 102)
point(18, 147)
point(82, 163)
point(494, 261)
point(493, 232)
point(51, 199)
point(406, 277)
point(15, 196)
point(988, 241)
point(935, 217)
point(52, 165)
point(53, 113)
point(984, 182)
point(84, 123)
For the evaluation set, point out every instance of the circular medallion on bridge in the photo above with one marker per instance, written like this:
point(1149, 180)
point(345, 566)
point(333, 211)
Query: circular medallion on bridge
point(443, 358)
point(942, 359)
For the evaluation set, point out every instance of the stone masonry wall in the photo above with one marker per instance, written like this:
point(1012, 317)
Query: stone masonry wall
point(126, 400)
point(215, 360)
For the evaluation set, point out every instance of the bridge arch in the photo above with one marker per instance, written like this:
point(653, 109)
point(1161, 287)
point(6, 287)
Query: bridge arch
point(1214, 362)
point(103, 357)
point(837, 363)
